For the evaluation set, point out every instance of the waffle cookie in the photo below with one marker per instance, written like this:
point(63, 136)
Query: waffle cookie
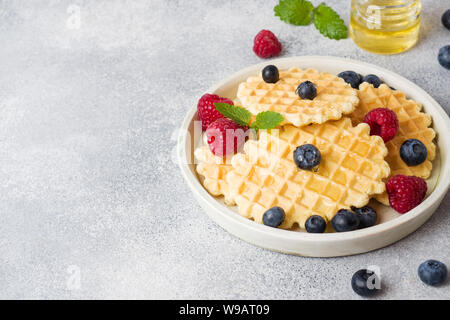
point(352, 169)
point(413, 124)
point(334, 96)
point(213, 169)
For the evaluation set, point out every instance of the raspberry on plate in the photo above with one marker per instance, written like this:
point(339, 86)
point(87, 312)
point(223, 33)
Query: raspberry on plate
point(266, 44)
point(206, 110)
point(405, 192)
point(383, 122)
point(225, 137)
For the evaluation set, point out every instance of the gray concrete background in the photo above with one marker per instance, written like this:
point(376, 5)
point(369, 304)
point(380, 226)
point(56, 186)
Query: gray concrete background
point(92, 205)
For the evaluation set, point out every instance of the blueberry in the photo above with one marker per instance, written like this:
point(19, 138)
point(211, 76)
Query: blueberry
point(352, 78)
point(373, 80)
point(307, 156)
point(365, 283)
point(270, 74)
point(307, 90)
point(432, 272)
point(274, 217)
point(367, 216)
point(444, 56)
point(315, 224)
point(345, 220)
point(413, 152)
point(446, 19)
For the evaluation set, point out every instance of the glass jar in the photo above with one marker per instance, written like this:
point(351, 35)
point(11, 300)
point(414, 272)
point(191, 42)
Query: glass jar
point(385, 26)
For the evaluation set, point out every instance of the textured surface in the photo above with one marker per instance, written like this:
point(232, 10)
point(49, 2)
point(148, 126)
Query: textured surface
point(213, 171)
point(413, 124)
point(351, 170)
point(334, 96)
point(89, 113)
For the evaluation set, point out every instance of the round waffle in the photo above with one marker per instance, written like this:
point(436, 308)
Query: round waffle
point(334, 96)
point(213, 169)
point(413, 124)
point(265, 175)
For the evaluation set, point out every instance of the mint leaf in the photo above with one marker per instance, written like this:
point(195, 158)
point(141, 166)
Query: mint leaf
point(239, 115)
point(267, 120)
point(296, 12)
point(329, 23)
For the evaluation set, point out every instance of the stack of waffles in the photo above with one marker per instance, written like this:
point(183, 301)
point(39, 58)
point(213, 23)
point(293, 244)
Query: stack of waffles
point(354, 167)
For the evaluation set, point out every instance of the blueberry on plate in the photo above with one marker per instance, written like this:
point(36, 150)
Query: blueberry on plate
point(432, 272)
point(345, 220)
point(274, 217)
point(307, 156)
point(365, 283)
point(270, 74)
point(446, 19)
point(444, 56)
point(413, 152)
point(352, 78)
point(307, 90)
point(367, 216)
point(315, 224)
point(373, 80)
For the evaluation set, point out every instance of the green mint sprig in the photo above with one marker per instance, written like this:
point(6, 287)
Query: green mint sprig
point(298, 12)
point(264, 120)
point(302, 12)
point(267, 120)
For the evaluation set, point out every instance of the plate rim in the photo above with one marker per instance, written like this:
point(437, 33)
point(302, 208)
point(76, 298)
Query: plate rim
point(201, 193)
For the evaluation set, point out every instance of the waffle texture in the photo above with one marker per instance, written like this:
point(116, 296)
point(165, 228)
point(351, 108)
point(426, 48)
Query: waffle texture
point(334, 96)
point(413, 124)
point(213, 169)
point(352, 169)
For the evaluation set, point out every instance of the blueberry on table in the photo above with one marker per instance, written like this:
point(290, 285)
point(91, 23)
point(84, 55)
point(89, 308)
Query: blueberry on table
point(446, 19)
point(367, 216)
point(315, 224)
point(345, 220)
point(307, 90)
point(444, 56)
point(270, 74)
point(373, 80)
point(274, 217)
point(307, 156)
point(413, 152)
point(365, 283)
point(352, 78)
point(432, 272)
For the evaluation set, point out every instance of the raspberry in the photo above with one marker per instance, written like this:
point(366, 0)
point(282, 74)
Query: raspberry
point(266, 44)
point(207, 111)
point(405, 192)
point(225, 137)
point(383, 122)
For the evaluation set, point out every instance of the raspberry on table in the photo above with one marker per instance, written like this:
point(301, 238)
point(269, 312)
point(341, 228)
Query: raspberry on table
point(225, 137)
point(206, 110)
point(405, 192)
point(266, 44)
point(383, 122)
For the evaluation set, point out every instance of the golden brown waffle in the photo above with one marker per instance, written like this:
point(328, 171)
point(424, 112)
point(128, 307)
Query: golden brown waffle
point(413, 124)
point(213, 169)
point(351, 170)
point(334, 96)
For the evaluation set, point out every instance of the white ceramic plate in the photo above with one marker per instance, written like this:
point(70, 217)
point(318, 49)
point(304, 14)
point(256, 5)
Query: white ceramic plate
point(391, 226)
